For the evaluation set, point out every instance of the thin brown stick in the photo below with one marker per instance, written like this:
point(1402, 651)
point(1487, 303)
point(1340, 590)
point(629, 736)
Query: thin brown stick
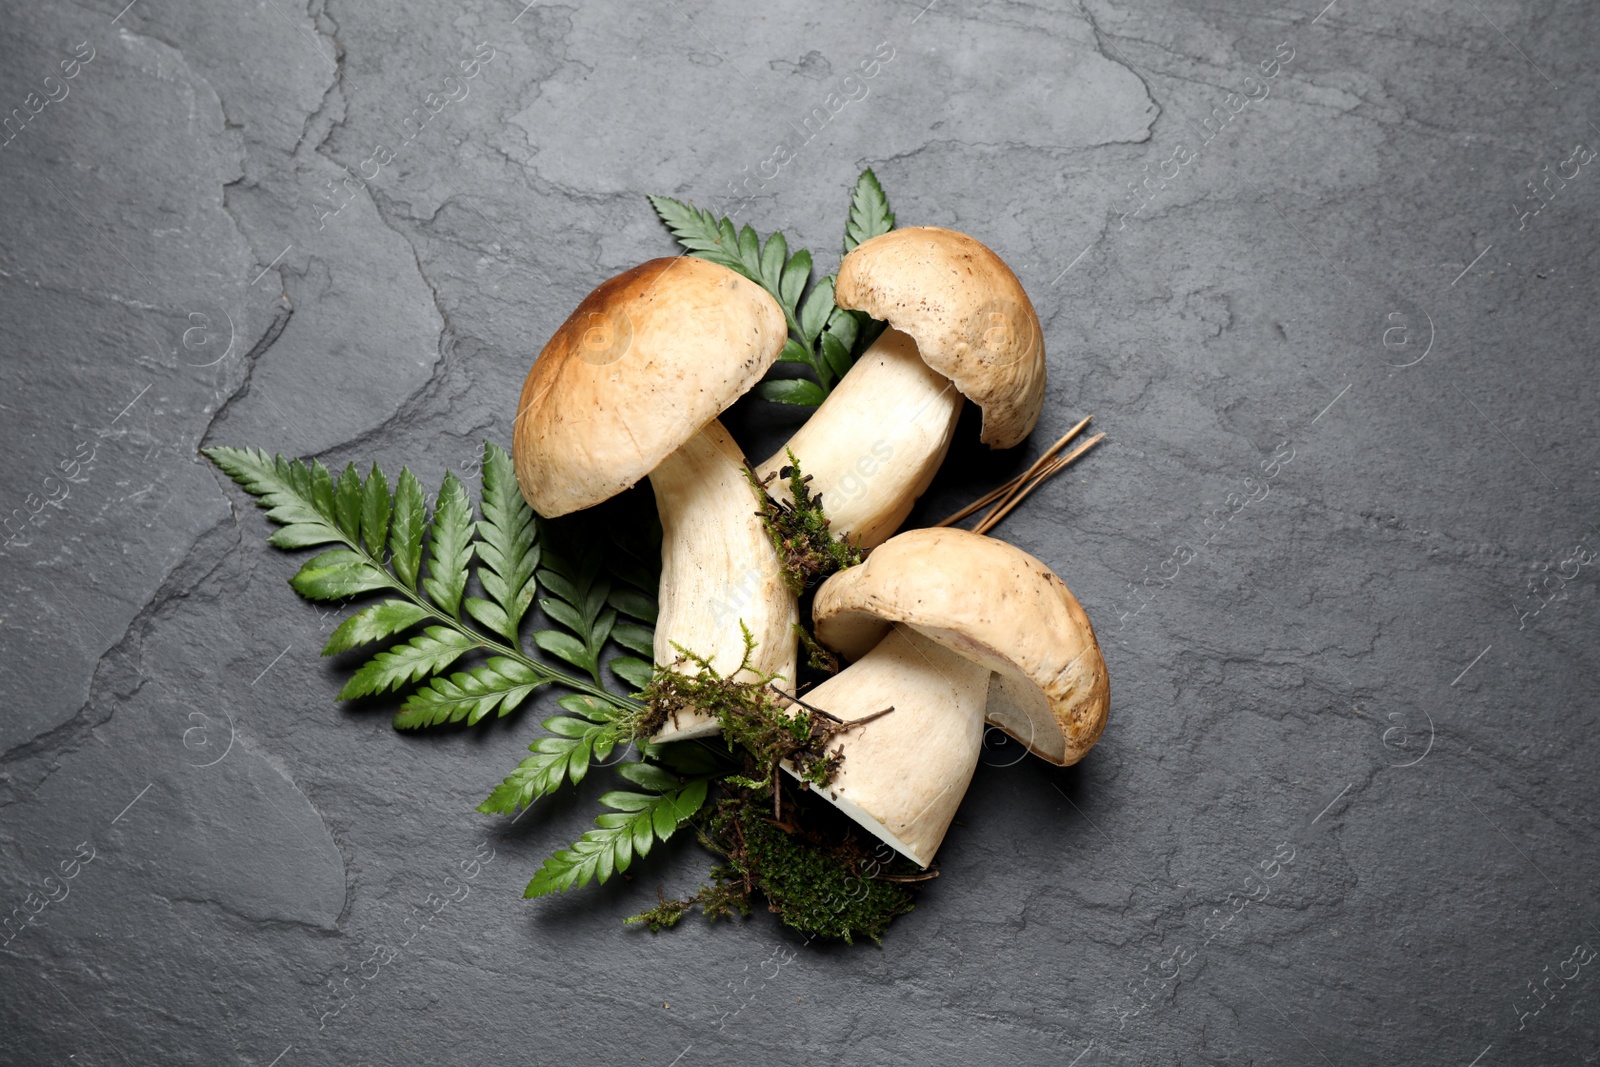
point(991, 520)
point(986, 498)
point(1040, 469)
point(795, 698)
point(1055, 449)
point(853, 723)
point(1009, 487)
point(920, 876)
point(843, 724)
point(1047, 474)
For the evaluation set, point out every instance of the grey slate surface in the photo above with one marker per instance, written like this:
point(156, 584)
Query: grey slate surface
point(1383, 667)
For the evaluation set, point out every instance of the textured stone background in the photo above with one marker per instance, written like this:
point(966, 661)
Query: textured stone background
point(1380, 668)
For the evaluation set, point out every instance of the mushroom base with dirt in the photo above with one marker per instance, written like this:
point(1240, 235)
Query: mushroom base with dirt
point(904, 773)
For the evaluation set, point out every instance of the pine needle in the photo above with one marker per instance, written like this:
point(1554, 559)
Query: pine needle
point(1001, 510)
point(1009, 487)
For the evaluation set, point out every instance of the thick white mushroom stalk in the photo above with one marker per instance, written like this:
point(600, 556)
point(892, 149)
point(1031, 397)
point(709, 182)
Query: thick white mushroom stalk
point(904, 773)
point(875, 443)
point(718, 569)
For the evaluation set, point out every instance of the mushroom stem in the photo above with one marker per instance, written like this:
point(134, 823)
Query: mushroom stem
point(876, 441)
point(718, 569)
point(903, 775)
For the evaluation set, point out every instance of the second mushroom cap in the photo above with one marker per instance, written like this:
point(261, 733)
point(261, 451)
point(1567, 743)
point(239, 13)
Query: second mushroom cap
point(970, 317)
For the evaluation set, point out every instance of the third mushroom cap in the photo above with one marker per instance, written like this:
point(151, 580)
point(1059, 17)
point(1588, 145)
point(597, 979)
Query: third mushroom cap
point(950, 628)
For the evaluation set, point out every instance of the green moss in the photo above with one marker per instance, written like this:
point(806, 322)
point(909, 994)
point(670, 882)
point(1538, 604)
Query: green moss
point(664, 916)
point(821, 890)
point(799, 855)
point(817, 656)
point(807, 551)
point(753, 723)
point(822, 884)
point(805, 859)
point(716, 901)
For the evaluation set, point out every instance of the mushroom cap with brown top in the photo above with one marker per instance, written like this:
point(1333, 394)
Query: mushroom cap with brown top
point(969, 315)
point(993, 604)
point(648, 359)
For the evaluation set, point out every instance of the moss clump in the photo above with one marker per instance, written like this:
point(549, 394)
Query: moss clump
point(807, 551)
point(818, 658)
point(821, 890)
point(716, 901)
point(806, 860)
point(753, 723)
point(821, 884)
point(664, 916)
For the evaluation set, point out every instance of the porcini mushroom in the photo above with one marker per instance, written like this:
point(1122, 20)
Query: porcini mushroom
point(961, 325)
point(631, 385)
point(951, 629)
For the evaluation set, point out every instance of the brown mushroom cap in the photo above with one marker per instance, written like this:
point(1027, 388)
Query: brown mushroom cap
point(993, 604)
point(967, 312)
point(647, 360)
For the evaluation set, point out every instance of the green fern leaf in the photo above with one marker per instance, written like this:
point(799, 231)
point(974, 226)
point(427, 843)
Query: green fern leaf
point(869, 211)
point(750, 253)
point(636, 822)
point(636, 672)
point(376, 507)
point(303, 535)
point(313, 508)
point(578, 602)
point(337, 574)
point(508, 549)
point(796, 273)
point(427, 653)
point(798, 391)
point(347, 502)
point(405, 536)
point(283, 487)
point(320, 490)
point(564, 757)
point(470, 695)
point(373, 623)
point(633, 603)
point(835, 355)
point(773, 258)
point(845, 326)
point(449, 547)
point(814, 313)
point(700, 232)
point(632, 636)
